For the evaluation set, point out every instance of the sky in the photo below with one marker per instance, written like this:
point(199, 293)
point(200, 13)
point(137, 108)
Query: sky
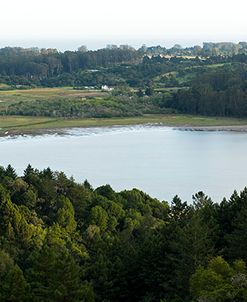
point(95, 23)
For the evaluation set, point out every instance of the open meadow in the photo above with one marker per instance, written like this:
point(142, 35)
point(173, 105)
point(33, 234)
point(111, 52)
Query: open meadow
point(10, 97)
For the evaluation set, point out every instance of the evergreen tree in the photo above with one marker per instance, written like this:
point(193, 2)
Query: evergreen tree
point(13, 286)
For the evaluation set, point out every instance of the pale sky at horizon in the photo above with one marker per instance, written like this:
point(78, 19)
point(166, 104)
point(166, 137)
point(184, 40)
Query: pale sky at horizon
point(69, 24)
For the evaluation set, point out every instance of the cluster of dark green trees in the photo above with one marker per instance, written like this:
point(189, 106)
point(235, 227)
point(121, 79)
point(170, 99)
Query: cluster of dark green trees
point(20, 66)
point(64, 241)
point(218, 92)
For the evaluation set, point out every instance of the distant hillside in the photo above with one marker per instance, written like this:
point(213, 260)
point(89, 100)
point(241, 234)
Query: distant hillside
point(33, 66)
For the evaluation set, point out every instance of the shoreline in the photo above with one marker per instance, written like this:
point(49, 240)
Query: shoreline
point(26, 125)
point(62, 131)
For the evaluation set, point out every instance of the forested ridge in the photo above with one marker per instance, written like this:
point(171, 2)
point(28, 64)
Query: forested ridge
point(65, 241)
point(115, 67)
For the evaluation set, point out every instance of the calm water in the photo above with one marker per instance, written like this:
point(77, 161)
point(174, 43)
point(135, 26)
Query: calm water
point(159, 160)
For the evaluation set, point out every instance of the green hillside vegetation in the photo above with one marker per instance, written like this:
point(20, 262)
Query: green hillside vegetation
point(22, 68)
point(65, 241)
point(74, 106)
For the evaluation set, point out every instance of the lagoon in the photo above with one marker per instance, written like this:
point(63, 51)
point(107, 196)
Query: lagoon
point(161, 161)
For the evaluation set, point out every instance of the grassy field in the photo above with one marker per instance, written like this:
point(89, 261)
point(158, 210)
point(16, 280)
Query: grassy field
point(21, 125)
point(184, 78)
point(8, 97)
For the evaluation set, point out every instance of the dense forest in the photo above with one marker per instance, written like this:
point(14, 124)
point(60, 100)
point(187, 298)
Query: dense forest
point(217, 92)
point(31, 66)
point(65, 241)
